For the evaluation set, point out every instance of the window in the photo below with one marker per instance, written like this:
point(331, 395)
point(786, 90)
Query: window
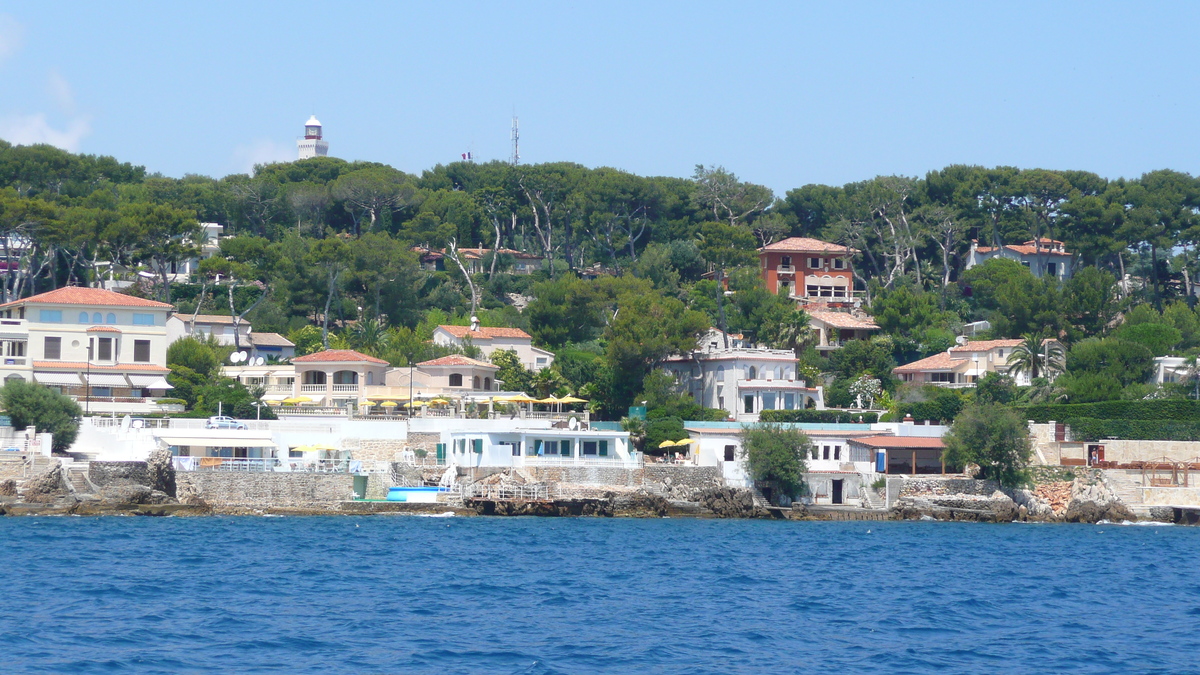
point(101, 391)
point(475, 382)
point(516, 448)
point(141, 351)
point(837, 452)
point(789, 401)
point(589, 447)
point(455, 379)
point(815, 452)
point(814, 263)
point(487, 384)
point(143, 319)
point(1052, 268)
point(104, 349)
point(564, 448)
point(786, 261)
point(50, 316)
point(825, 452)
point(839, 263)
point(97, 318)
point(947, 378)
point(729, 451)
point(370, 377)
point(768, 400)
point(751, 373)
point(111, 318)
point(604, 448)
point(83, 317)
point(748, 403)
point(541, 361)
point(53, 349)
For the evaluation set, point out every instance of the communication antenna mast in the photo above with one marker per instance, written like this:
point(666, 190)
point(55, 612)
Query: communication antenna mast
point(516, 142)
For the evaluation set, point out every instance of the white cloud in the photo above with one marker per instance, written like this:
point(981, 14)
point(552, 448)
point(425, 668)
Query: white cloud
point(60, 91)
point(31, 129)
point(261, 151)
point(12, 35)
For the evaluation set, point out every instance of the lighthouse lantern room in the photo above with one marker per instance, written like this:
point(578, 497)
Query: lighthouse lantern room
point(312, 145)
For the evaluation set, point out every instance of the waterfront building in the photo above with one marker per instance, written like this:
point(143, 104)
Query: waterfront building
point(269, 346)
point(908, 455)
point(1043, 257)
point(962, 365)
point(104, 349)
point(490, 340)
point(312, 145)
point(337, 377)
point(742, 380)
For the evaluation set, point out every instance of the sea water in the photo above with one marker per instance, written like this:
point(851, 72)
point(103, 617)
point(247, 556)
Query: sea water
point(391, 594)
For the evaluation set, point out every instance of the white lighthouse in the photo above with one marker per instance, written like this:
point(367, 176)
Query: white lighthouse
point(312, 145)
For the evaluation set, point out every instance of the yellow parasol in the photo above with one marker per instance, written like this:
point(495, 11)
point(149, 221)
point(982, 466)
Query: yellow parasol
point(550, 400)
point(686, 441)
point(667, 444)
point(415, 404)
point(389, 404)
point(571, 399)
point(521, 398)
point(272, 403)
point(366, 404)
point(296, 399)
point(438, 401)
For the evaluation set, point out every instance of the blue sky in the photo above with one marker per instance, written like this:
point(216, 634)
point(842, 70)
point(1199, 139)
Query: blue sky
point(783, 94)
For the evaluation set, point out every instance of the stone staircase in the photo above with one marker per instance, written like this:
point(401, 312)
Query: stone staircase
point(871, 499)
point(1127, 486)
point(77, 478)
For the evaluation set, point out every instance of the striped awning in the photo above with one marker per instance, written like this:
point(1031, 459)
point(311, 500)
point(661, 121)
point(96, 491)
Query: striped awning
point(62, 379)
point(106, 380)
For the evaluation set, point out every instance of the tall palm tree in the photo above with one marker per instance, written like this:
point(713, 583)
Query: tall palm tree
point(1037, 355)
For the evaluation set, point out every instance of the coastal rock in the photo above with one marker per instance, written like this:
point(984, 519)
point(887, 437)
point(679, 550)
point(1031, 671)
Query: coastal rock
point(1093, 501)
point(8, 488)
point(135, 494)
point(727, 502)
point(994, 508)
point(160, 469)
point(638, 504)
point(46, 487)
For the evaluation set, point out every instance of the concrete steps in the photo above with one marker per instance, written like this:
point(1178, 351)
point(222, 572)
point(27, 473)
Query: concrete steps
point(871, 499)
point(1128, 488)
point(77, 477)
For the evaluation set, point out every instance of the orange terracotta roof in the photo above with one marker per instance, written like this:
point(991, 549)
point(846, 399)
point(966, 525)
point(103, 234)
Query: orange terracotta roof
point(845, 320)
point(213, 318)
point(78, 295)
point(104, 329)
point(337, 356)
point(806, 245)
point(484, 332)
point(986, 345)
point(83, 367)
point(940, 361)
point(457, 360)
point(916, 442)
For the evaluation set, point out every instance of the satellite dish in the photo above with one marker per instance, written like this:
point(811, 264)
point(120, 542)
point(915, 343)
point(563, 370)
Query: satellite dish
point(960, 340)
point(574, 424)
point(259, 361)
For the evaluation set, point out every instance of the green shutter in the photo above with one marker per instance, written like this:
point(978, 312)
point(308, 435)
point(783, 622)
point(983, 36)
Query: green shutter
point(537, 446)
point(565, 448)
point(478, 443)
point(441, 452)
point(604, 448)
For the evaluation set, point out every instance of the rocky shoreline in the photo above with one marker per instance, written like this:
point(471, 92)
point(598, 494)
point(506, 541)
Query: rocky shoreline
point(151, 490)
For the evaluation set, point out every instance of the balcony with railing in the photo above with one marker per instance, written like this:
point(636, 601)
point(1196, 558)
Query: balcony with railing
point(786, 269)
point(344, 388)
point(314, 388)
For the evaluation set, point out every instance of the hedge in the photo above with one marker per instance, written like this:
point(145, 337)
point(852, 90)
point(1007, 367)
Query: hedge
point(1150, 411)
point(942, 408)
point(817, 416)
point(1086, 429)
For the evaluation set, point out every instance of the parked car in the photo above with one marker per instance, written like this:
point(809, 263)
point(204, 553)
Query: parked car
point(223, 422)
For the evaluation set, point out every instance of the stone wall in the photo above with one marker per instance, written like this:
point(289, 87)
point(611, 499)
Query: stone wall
point(264, 489)
point(936, 486)
point(12, 467)
point(587, 475)
point(424, 440)
point(687, 478)
point(374, 449)
point(103, 474)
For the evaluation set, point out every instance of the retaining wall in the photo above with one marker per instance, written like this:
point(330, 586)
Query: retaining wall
point(264, 489)
point(103, 474)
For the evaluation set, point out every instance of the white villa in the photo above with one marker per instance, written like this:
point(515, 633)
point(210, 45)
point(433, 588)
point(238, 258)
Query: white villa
point(223, 330)
point(105, 349)
point(1042, 256)
point(490, 340)
point(743, 380)
point(835, 329)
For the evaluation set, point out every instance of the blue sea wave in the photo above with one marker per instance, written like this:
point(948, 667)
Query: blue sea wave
point(549, 596)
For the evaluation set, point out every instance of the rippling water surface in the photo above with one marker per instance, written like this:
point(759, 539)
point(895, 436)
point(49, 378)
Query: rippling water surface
point(521, 595)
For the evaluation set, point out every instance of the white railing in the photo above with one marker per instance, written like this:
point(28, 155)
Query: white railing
point(311, 411)
point(615, 462)
point(786, 269)
point(345, 387)
point(312, 388)
point(506, 492)
point(277, 388)
point(271, 464)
